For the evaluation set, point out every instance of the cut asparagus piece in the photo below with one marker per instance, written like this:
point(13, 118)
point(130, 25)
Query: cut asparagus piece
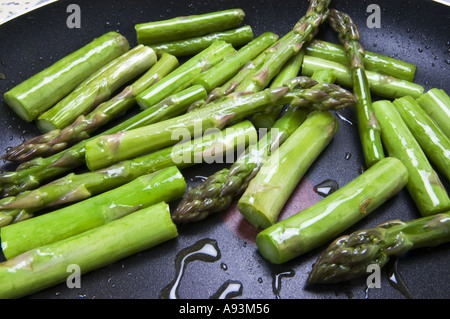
point(109, 149)
point(182, 77)
point(324, 76)
point(97, 88)
point(187, 27)
point(349, 256)
point(432, 140)
point(66, 190)
point(236, 37)
point(326, 219)
point(382, 85)
point(162, 186)
point(374, 62)
point(436, 103)
point(40, 92)
point(369, 130)
point(48, 265)
point(57, 140)
point(424, 185)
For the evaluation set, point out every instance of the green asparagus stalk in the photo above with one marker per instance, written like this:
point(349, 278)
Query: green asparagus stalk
point(97, 88)
point(236, 37)
point(436, 103)
point(109, 149)
point(382, 85)
point(162, 186)
point(349, 256)
point(326, 219)
point(324, 76)
point(57, 140)
point(374, 62)
point(269, 190)
point(180, 28)
point(432, 140)
point(40, 92)
point(182, 77)
point(73, 188)
point(32, 173)
point(48, 265)
point(424, 185)
point(369, 130)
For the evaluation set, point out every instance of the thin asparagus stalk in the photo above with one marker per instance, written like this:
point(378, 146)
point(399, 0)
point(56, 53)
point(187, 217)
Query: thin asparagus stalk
point(335, 213)
point(180, 28)
point(369, 130)
point(349, 256)
point(109, 149)
point(236, 37)
point(32, 173)
point(382, 85)
point(97, 88)
point(432, 140)
point(424, 185)
point(182, 77)
point(48, 265)
point(269, 190)
point(57, 140)
point(436, 103)
point(374, 62)
point(162, 186)
point(40, 92)
point(73, 188)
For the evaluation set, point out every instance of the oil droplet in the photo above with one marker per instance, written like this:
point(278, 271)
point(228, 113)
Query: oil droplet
point(260, 280)
point(348, 155)
point(327, 187)
point(396, 280)
point(228, 290)
point(342, 117)
point(223, 266)
point(420, 50)
point(276, 283)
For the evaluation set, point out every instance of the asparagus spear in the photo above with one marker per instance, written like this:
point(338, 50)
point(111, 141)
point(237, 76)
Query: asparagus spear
point(40, 92)
point(48, 265)
point(374, 62)
point(349, 256)
point(269, 190)
point(424, 184)
point(162, 186)
point(380, 84)
point(432, 140)
point(57, 140)
point(32, 173)
point(77, 187)
point(109, 149)
point(187, 27)
point(236, 37)
point(97, 88)
point(328, 218)
point(436, 103)
point(183, 76)
point(369, 130)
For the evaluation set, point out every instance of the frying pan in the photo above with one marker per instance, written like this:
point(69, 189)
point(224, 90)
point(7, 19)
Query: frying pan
point(415, 31)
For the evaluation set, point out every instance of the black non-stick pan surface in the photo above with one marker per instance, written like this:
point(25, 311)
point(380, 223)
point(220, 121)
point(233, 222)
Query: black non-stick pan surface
point(414, 31)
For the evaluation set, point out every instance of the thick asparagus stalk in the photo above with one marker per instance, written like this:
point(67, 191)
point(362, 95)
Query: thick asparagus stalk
point(236, 37)
point(48, 265)
point(374, 62)
point(424, 184)
point(97, 88)
point(436, 103)
point(269, 190)
point(432, 140)
point(40, 92)
point(328, 218)
point(349, 256)
point(32, 173)
point(187, 27)
point(57, 140)
point(162, 186)
point(77, 187)
point(109, 149)
point(369, 130)
point(183, 76)
point(382, 85)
